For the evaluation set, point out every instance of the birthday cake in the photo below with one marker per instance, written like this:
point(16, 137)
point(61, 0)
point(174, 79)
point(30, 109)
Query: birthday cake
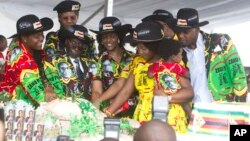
point(214, 119)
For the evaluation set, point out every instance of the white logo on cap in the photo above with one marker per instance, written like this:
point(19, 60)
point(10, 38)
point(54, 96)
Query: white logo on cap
point(37, 25)
point(164, 14)
point(23, 25)
point(182, 22)
point(79, 34)
point(75, 7)
point(107, 26)
point(193, 18)
point(117, 23)
point(143, 32)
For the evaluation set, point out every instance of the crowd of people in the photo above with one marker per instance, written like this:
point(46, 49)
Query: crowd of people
point(173, 58)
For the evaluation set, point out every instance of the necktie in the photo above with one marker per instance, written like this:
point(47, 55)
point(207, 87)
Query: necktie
point(79, 72)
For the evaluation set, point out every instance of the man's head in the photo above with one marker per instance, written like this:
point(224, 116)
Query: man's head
point(31, 113)
point(11, 112)
point(40, 128)
point(107, 66)
point(68, 12)
point(155, 130)
point(64, 70)
point(3, 43)
point(188, 26)
point(76, 39)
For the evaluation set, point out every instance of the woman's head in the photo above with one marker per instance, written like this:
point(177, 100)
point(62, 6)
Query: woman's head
point(110, 41)
point(147, 35)
point(30, 31)
point(147, 50)
point(170, 50)
point(111, 33)
point(68, 12)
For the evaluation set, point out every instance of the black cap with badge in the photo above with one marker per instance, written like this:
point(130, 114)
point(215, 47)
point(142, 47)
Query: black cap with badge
point(76, 31)
point(160, 15)
point(30, 24)
point(67, 5)
point(148, 32)
point(188, 18)
point(112, 24)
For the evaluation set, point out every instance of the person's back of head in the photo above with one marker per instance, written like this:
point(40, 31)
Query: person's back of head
point(155, 130)
point(109, 139)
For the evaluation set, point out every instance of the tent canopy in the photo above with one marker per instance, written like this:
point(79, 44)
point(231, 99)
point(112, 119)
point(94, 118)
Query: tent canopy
point(219, 13)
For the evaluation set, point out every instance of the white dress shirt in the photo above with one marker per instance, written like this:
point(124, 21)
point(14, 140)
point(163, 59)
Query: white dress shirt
point(196, 60)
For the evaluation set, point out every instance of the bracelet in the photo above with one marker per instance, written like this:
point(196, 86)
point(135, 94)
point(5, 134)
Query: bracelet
point(108, 113)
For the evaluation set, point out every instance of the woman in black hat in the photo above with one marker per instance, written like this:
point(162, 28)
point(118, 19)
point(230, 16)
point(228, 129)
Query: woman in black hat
point(68, 14)
point(76, 71)
point(148, 36)
point(23, 77)
point(113, 56)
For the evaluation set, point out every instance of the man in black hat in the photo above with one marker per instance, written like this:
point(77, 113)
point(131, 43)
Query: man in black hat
point(166, 19)
point(216, 71)
point(68, 14)
point(73, 68)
